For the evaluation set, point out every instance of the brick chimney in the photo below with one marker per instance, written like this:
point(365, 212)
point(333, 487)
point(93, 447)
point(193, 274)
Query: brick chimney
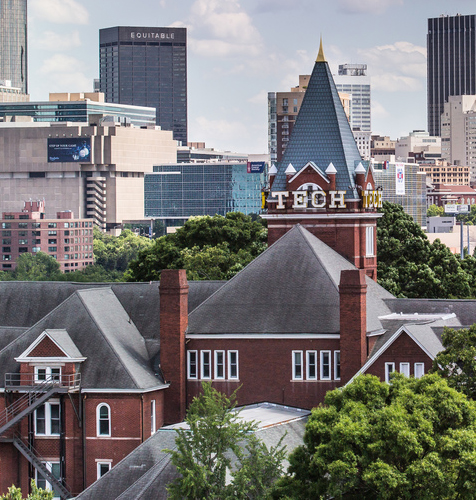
point(173, 323)
point(353, 322)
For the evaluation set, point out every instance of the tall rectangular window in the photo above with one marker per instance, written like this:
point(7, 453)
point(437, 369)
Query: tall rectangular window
point(369, 242)
point(219, 364)
point(43, 483)
point(233, 373)
point(205, 365)
point(389, 369)
point(311, 365)
point(192, 364)
point(405, 369)
point(336, 365)
point(297, 365)
point(47, 420)
point(419, 370)
point(325, 365)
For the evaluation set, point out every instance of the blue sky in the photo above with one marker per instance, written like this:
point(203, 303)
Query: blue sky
point(238, 50)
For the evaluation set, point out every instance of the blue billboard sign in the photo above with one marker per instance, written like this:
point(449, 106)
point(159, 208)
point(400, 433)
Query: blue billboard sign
point(255, 167)
point(76, 150)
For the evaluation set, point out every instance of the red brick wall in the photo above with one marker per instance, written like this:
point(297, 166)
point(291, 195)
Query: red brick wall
point(265, 371)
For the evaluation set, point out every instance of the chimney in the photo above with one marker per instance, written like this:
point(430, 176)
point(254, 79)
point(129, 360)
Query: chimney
point(360, 176)
point(173, 324)
point(353, 322)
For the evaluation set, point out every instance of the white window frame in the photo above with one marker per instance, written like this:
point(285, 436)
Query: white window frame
point(232, 365)
point(48, 485)
point(296, 376)
point(388, 372)
point(48, 373)
point(322, 364)
point(405, 369)
point(189, 365)
point(203, 364)
point(153, 417)
point(336, 364)
point(369, 242)
point(48, 419)
point(98, 420)
point(222, 376)
point(309, 364)
point(420, 365)
point(100, 464)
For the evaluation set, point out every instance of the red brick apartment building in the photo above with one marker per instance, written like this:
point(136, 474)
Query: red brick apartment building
point(90, 372)
point(68, 240)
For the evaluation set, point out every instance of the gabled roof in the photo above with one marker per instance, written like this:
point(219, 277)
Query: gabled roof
point(61, 339)
point(322, 133)
point(291, 288)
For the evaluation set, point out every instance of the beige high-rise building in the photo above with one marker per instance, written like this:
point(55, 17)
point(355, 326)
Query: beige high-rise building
point(458, 132)
point(96, 172)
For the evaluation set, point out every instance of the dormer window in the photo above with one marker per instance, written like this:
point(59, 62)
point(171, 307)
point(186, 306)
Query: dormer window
point(47, 374)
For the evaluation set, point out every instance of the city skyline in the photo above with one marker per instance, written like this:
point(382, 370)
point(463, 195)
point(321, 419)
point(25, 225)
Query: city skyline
point(239, 51)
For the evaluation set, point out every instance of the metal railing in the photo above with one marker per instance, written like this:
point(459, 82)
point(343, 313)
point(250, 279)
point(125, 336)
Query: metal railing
point(15, 381)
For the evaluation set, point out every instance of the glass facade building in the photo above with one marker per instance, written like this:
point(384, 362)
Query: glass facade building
point(451, 43)
point(13, 43)
point(147, 67)
point(183, 190)
point(77, 111)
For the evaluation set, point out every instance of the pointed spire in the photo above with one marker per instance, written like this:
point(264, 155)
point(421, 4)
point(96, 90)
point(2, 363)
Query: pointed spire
point(273, 170)
point(290, 170)
point(321, 57)
point(331, 169)
point(360, 169)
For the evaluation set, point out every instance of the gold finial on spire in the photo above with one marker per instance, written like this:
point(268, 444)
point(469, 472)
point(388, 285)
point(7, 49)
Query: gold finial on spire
point(321, 57)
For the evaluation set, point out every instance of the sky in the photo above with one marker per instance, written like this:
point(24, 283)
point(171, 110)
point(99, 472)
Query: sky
point(239, 50)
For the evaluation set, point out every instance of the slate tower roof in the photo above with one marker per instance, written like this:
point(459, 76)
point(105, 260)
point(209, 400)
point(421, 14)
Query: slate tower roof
point(322, 133)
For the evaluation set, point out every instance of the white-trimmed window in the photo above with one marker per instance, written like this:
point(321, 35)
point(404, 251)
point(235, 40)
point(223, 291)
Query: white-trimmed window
point(369, 242)
point(311, 365)
point(219, 364)
point(48, 419)
point(419, 370)
point(325, 365)
point(206, 369)
point(153, 424)
point(103, 420)
point(43, 483)
point(192, 358)
point(47, 373)
point(103, 468)
point(405, 369)
point(297, 365)
point(233, 373)
point(336, 365)
point(389, 369)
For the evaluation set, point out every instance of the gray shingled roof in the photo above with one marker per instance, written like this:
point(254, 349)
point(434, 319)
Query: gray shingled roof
point(64, 341)
point(292, 287)
point(145, 473)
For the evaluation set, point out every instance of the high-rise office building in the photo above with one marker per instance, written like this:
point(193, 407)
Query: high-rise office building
point(13, 43)
point(147, 67)
point(451, 43)
point(352, 79)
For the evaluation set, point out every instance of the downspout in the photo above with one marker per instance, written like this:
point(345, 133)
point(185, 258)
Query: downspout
point(83, 431)
point(142, 417)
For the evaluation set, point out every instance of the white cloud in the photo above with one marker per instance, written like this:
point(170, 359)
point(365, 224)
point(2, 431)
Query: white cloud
point(366, 6)
point(222, 29)
point(220, 133)
point(397, 67)
point(378, 111)
point(52, 41)
point(260, 98)
point(65, 74)
point(60, 11)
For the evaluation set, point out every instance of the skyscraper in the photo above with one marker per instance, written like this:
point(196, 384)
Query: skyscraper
point(13, 43)
point(451, 43)
point(147, 67)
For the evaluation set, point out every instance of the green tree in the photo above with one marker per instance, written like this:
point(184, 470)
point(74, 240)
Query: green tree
point(410, 266)
point(469, 218)
point(457, 362)
point(227, 245)
point(217, 445)
point(413, 438)
point(36, 267)
point(14, 493)
point(435, 211)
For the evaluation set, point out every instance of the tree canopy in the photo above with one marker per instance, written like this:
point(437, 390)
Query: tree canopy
point(413, 438)
point(15, 493)
point(219, 456)
point(207, 247)
point(410, 266)
point(36, 267)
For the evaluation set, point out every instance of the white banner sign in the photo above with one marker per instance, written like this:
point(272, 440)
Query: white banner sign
point(399, 178)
